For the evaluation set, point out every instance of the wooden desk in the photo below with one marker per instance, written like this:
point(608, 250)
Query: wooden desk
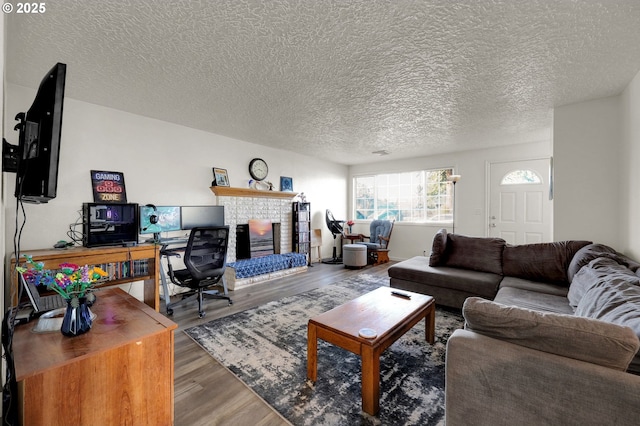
point(52, 258)
point(120, 372)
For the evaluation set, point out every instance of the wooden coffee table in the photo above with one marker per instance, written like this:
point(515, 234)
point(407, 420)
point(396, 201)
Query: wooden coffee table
point(389, 315)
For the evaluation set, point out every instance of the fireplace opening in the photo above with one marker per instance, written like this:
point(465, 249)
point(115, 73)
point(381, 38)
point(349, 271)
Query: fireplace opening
point(257, 238)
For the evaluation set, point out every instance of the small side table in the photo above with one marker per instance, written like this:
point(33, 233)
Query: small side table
point(353, 237)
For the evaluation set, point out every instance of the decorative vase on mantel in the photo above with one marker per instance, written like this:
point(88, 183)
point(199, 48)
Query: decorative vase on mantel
point(77, 317)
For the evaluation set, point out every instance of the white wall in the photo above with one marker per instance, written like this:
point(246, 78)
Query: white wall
point(410, 240)
point(163, 164)
point(586, 154)
point(629, 177)
point(3, 294)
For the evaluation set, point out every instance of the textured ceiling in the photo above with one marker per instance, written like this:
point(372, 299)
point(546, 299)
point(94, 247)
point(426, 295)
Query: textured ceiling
point(337, 79)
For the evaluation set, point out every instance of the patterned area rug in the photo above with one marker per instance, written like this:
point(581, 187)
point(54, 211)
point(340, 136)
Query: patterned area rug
point(266, 347)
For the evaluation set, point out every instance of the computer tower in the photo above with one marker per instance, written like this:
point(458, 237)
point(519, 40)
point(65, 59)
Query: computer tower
point(109, 224)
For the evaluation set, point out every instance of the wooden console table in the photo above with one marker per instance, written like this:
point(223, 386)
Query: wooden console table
point(149, 253)
point(120, 372)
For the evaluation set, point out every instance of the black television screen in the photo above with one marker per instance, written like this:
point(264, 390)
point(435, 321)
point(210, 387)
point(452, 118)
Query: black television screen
point(193, 216)
point(40, 130)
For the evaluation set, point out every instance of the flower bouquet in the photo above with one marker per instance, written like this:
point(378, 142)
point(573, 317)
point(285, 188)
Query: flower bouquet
point(73, 283)
point(350, 224)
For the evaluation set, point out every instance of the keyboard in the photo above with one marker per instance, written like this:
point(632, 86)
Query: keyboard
point(52, 302)
point(167, 241)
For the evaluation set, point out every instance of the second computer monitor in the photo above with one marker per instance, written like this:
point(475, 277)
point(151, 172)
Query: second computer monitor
point(194, 216)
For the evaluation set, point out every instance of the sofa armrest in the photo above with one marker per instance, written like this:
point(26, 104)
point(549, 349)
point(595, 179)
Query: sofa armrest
point(495, 382)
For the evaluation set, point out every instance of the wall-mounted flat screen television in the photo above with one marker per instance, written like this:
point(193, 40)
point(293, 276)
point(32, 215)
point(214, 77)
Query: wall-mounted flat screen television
point(39, 149)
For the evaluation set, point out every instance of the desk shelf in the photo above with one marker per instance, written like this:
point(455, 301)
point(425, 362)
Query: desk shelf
point(52, 258)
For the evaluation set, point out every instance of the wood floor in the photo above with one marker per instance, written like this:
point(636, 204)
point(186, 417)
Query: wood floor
point(205, 392)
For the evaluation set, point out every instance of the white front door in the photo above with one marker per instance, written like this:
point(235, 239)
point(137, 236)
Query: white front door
point(519, 204)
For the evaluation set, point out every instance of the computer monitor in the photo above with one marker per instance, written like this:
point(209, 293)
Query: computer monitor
point(194, 216)
point(166, 218)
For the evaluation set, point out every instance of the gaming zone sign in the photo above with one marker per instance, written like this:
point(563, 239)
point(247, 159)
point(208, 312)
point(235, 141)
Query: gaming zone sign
point(108, 187)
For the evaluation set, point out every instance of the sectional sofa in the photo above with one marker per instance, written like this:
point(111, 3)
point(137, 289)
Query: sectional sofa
point(551, 330)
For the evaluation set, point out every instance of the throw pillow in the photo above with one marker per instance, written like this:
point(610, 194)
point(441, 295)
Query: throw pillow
point(475, 253)
point(436, 258)
point(545, 262)
point(570, 336)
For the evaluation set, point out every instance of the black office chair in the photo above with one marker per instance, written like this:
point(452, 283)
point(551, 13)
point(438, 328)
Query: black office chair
point(335, 226)
point(205, 261)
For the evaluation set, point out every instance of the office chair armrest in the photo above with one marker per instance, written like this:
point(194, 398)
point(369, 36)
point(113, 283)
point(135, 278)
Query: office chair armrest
point(171, 252)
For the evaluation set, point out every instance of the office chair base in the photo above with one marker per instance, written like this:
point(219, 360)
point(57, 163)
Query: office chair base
point(189, 296)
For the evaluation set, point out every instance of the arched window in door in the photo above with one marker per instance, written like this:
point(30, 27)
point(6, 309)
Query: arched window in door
point(521, 177)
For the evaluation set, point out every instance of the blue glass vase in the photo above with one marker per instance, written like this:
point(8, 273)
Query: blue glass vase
point(77, 317)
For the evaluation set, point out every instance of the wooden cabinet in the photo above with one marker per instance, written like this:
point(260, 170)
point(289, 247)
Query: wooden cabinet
point(122, 258)
point(120, 372)
point(302, 229)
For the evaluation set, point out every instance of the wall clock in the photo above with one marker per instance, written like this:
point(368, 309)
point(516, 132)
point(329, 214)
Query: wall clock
point(258, 169)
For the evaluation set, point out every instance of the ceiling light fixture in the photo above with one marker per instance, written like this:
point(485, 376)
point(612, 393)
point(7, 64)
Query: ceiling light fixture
point(381, 152)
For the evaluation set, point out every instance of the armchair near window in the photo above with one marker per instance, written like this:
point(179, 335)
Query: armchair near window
point(378, 245)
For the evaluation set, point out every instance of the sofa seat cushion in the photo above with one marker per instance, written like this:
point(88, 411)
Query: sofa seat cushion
point(534, 300)
point(575, 337)
point(617, 303)
point(545, 262)
point(417, 269)
point(475, 253)
point(557, 290)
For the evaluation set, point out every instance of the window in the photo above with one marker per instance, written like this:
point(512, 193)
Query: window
point(419, 196)
point(520, 177)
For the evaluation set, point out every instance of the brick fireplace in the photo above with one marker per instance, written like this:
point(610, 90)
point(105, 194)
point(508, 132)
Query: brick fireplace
point(242, 204)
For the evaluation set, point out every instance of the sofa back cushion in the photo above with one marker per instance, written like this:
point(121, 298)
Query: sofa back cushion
point(438, 248)
point(545, 262)
point(475, 253)
point(570, 336)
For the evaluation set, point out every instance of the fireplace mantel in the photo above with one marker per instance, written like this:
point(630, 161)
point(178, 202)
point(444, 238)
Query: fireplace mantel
point(226, 191)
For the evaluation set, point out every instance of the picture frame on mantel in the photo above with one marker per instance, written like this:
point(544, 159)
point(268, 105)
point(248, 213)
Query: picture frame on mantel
point(286, 184)
point(220, 177)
